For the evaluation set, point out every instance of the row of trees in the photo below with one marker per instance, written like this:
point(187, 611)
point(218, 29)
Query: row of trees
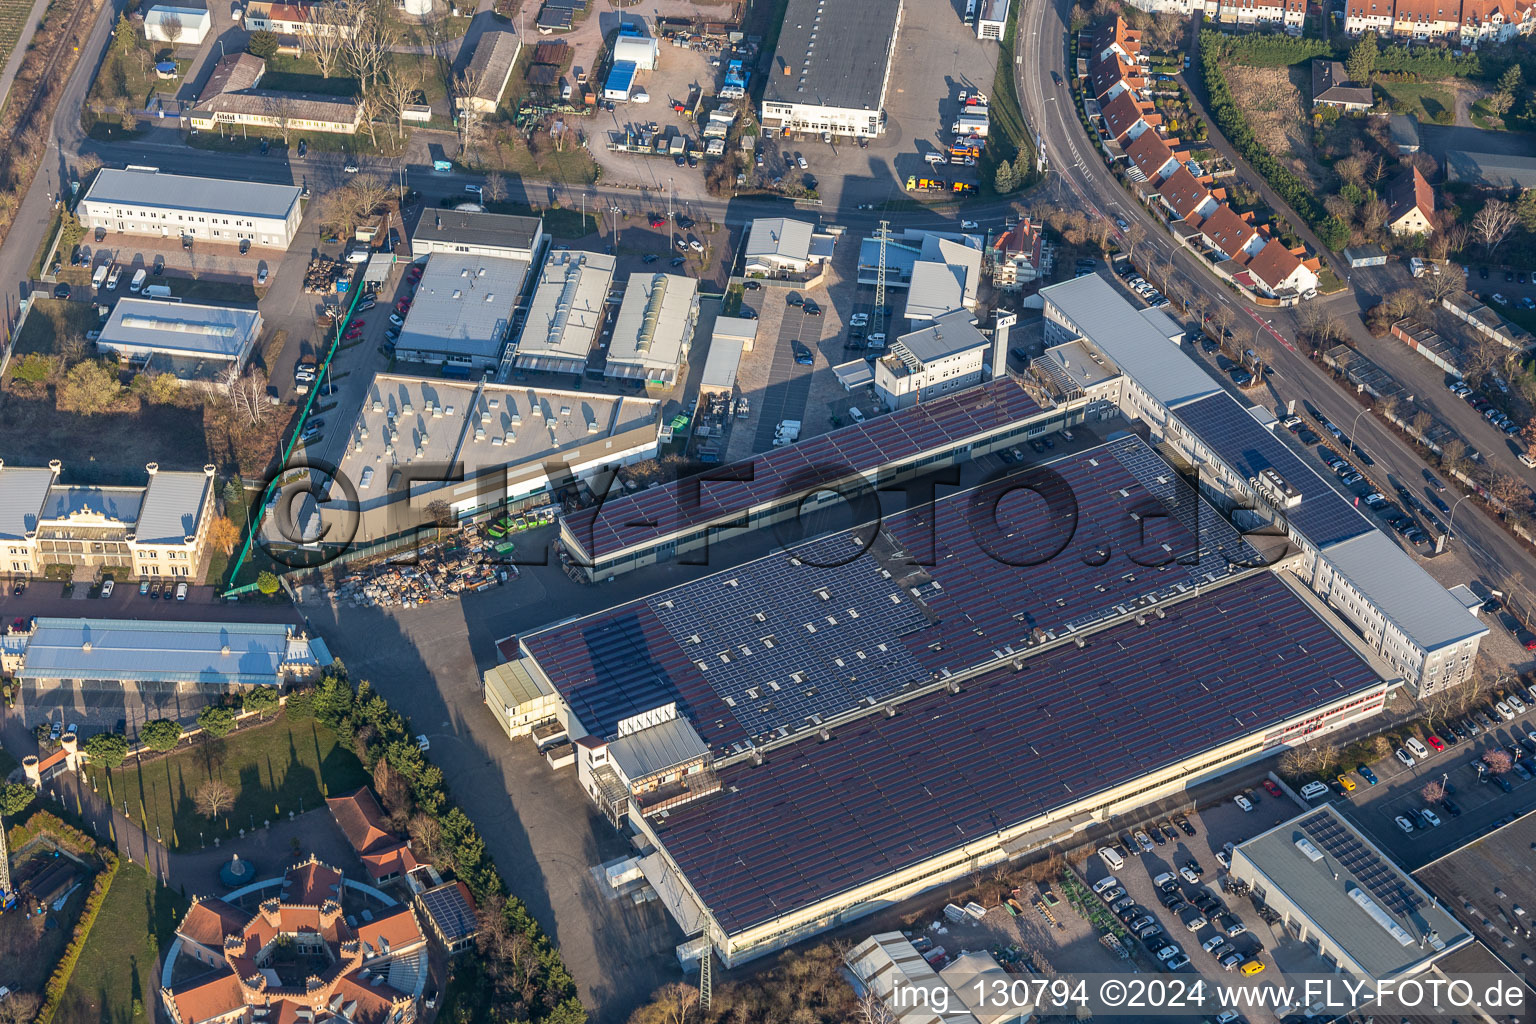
point(1331, 231)
point(522, 973)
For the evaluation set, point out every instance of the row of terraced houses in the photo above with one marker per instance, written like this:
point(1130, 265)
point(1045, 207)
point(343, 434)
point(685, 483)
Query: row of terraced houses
point(1468, 23)
point(1175, 185)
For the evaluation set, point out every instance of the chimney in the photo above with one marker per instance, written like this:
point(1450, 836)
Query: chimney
point(1000, 327)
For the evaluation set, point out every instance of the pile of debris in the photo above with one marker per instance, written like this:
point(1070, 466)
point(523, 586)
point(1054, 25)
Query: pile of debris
point(465, 565)
point(320, 277)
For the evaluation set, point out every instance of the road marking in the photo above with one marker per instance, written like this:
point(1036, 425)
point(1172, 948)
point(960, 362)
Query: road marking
point(1273, 333)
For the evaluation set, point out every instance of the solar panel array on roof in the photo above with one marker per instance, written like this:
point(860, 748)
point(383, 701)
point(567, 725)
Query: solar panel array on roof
point(818, 818)
point(453, 913)
point(655, 513)
point(1380, 879)
point(856, 618)
point(1224, 426)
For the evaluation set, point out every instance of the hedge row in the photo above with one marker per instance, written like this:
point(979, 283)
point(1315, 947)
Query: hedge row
point(1331, 231)
point(1427, 62)
point(379, 732)
point(58, 981)
point(1264, 49)
point(41, 822)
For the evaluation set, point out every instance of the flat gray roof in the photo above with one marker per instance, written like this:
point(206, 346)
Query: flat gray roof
point(179, 328)
point(475, 227)
point(186, 192)
point(481, 427)
point(658, 748)
point(1325, 890)
point(172, 505)
point(1118, 330)
point(936, 289)
point(721, 365)
point(23, 493)
point(836, 53)
point(1496, 170)
point(656, 318)
point(464, 304)
point(129, 650)
point(947, 335)
point(1402, 591)
point(565, 312)
point(780, 236)
point(993, 10)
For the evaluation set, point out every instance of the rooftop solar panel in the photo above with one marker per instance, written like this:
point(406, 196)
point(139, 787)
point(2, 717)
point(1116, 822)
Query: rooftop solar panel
point(628, 520)
point(820, 817)
point(452, 912)
point(1240, 441)
point(1374, 875)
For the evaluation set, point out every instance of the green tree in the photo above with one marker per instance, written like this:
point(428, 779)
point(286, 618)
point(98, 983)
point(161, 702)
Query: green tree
point(89, 388)
point(258, 700)
point(156, 388)
point(33, 368)
point(262, 44)
point(1511, 80)
point(234, 501)
point(216, 721)
point(1334, 233)
point(162, 734)
point(1362, 59)
point(1006, 180)
point(108, 749)
point(267, 583)
point(300, 706)
point(1525, 209)
point(15, 797)
point(124, 38)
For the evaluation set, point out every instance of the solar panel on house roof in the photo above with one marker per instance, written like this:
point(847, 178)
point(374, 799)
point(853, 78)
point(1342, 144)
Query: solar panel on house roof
point(721, 494)
point(452, 912)
point(818, 818)
point(1225, 427)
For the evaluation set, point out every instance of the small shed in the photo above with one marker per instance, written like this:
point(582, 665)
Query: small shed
point(736, 328)
point(1365, 256)
point(721, 366)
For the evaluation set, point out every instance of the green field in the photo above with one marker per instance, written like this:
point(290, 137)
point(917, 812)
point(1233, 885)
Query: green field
point(1427, 100)
point(13, 18)
point(274, 768)
point(116, 971)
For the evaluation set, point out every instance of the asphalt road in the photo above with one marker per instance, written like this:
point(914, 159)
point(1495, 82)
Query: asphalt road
point(1081, 179)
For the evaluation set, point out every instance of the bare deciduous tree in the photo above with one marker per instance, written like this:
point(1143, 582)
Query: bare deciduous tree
point(367, 47)
point(171, 29)
point(324, 31)
point(471, 124)
point(1439, 286)
point(278, 108)
point(20, 1008)
point(495, 188)
point(247, 394)
point(398, 91)
point(1498, 761)
point(1493, 223)
point(213, 798)
point(1433, 792)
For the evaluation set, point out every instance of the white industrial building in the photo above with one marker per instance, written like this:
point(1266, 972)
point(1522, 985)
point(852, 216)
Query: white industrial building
point(949, 355)
point(518, 699)
point(477, 233)
point(194, 342)
point(565, 312)
point(1409, 620)
point(940, 271)
point(653, 334)
point(149, 202)
point(912, 992)
point(1336, 891)
point(784, 245)
point(512, 446)
point(642, 51)
point(179, 22)
point(462, 311)
point(832, 67)
point(992, 20)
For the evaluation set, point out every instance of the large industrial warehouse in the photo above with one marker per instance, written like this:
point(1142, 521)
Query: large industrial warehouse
point(832, 67)
point(820, 733)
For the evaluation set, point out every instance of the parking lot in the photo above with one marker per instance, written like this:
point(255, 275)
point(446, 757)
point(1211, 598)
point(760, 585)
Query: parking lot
point(1400, 791)
point(678, 73)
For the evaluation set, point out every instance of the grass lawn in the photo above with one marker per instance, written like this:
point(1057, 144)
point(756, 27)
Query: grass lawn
point(565, 222)
point(302, 74)
point(52, 320)
point(1426, 99)
point(1328, 282)
point(116, 970)
point(274, 768)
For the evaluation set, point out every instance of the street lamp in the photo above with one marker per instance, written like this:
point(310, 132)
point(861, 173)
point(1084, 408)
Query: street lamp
point(1363, 410)
point(1451, 521)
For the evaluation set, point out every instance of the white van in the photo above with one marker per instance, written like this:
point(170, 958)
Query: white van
point(1419, 750)
point(139, 277)
point(1313, 790)
point(1105, 884)
point(99, 276)
point(1111, 856)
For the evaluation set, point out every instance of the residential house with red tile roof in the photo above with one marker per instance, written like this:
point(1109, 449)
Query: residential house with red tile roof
point(1368, 16)
point(1187, 197)
point(1125, 117)
point(385, 856)
point(1230, 234)
point(1277, 271)
point(1411, 205)
point(1014, 256)
point(1289, 13)
point(1495, 21)
point(1151, 158)
point(1424, 20)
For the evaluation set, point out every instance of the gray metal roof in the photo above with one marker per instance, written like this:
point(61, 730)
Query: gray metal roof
point(200, 195)
point(947, 335)
point(23, 492)
point(658, 748)
point(474, 227)
point(1495, 170)
point(464, 304)
point(1117, 329)
point(835, 53)
point(565, 311)
point(936, 289)
point(178, 328)
point(780, 236)
point(739, 328)
point(654, 327)
point(119, 503)
point(173, 503)
point(721, 364)
point(1411, 598)
point(1321, 889)
point(130, 650)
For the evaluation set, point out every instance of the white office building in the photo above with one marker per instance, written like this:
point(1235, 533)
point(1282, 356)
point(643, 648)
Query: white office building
point(477, 233)
point(949, 355)
point(832, 67)
point(145, 201)
point(462, 312)
point(178, 22)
